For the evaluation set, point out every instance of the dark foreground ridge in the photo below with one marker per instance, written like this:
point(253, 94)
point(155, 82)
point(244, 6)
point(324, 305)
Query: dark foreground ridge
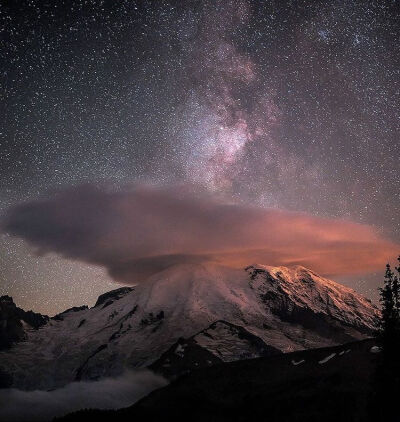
point(327, 384)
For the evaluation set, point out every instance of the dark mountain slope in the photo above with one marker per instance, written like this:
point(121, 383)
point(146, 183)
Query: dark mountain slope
point(15, 321)
point(328, 384)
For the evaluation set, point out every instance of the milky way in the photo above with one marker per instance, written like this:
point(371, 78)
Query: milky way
point(290, 105)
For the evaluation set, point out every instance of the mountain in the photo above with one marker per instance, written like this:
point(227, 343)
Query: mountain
point(14, 322)
point(327, 384)
point(189, 316)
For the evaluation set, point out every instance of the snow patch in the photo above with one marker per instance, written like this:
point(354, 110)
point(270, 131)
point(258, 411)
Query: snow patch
point(180, 350)
point(328, 358)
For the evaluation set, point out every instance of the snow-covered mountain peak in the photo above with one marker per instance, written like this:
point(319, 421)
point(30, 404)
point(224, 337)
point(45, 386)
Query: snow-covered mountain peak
point(285, 287)
point(256, 310)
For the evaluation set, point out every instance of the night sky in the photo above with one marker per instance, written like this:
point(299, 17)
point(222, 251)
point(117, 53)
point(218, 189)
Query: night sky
point(290, 105)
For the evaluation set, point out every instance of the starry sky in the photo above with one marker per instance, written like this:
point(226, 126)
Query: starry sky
point(285, 105)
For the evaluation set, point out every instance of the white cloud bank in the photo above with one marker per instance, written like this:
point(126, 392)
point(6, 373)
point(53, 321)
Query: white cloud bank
point(108, 393)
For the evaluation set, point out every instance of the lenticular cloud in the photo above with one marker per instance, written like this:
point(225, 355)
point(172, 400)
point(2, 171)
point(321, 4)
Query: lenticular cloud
point(144, 229)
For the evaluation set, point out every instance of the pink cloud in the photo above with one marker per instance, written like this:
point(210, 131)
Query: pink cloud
point(144, 229)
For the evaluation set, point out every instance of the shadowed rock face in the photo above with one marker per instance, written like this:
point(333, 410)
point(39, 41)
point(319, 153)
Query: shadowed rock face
point(108, 298)
point(12, 321)
point(61, 316)
point(11, 329)
point(220, 342)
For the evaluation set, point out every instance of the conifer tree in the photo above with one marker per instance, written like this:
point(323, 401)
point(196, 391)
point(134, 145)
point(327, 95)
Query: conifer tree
point(387, 324)
point(389, 334)
point(396, 287)
point(383, 403)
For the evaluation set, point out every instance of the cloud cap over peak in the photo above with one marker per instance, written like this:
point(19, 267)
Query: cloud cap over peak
point(144, 229)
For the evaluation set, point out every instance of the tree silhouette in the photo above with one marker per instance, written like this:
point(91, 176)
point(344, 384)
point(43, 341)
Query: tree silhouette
point(389, 327)
point(386, 382)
